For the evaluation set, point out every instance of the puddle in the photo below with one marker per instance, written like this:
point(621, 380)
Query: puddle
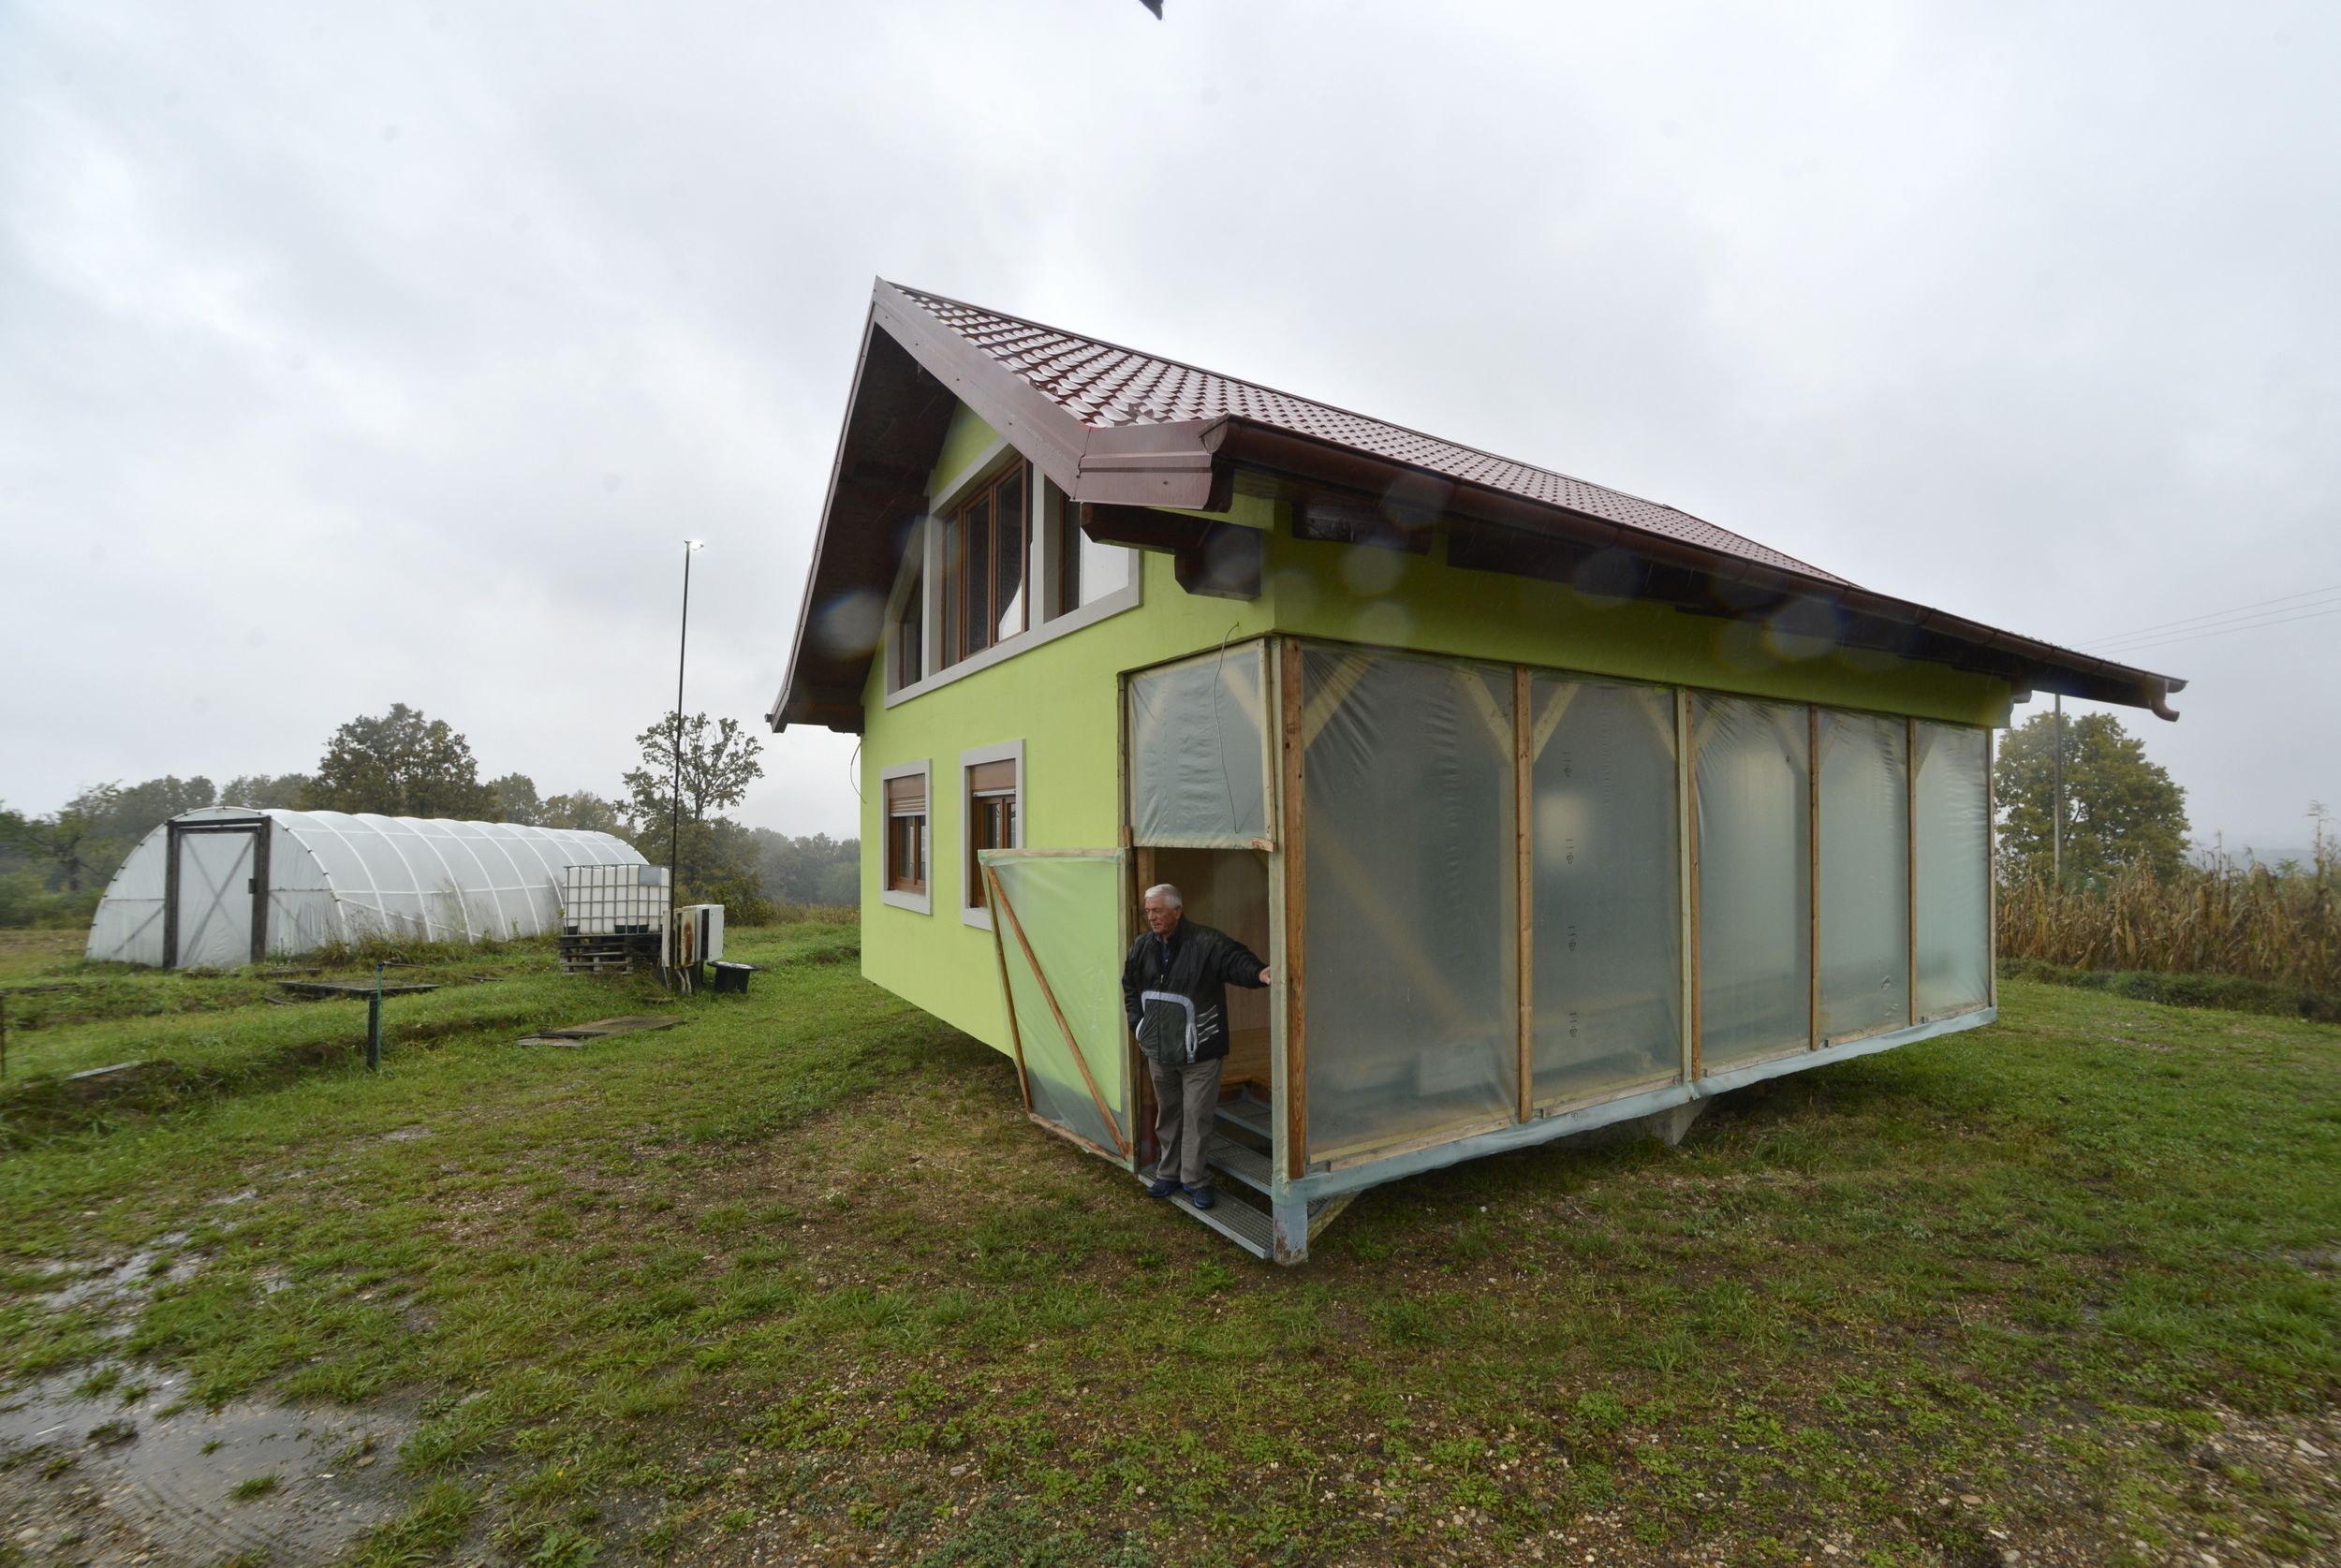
point(121, 1477)
point(115, 1288)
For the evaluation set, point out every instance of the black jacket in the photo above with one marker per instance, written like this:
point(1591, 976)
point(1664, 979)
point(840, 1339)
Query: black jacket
point(1177, 1002)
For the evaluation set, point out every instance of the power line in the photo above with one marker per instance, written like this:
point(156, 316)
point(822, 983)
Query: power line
point(2231, 624)
point(2223, 630)
point(2210, 615)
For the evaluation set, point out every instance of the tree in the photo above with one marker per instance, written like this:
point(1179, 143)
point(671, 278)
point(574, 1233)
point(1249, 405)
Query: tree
point(76, 841)
point(400, 765)
point(2120, 808)
point(260, 791)
point(718, 765)
point(582, 809)
point(516, 800)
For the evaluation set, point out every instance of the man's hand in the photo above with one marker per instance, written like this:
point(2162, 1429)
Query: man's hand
point(1265, 977)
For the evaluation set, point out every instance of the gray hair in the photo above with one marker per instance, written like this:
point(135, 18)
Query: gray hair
point(1167, 893)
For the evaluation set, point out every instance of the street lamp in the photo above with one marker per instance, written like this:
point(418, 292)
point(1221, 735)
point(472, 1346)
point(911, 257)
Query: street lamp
point(674, 821)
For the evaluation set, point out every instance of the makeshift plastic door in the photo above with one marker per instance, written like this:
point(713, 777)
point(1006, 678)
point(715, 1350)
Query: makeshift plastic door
point(1954, 924)
point(1409, 865)
point(1754, 875)
point(1199, 753)
point(1056, 921)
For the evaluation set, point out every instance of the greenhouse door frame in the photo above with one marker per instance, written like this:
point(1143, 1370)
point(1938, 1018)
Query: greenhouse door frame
point(180, 831)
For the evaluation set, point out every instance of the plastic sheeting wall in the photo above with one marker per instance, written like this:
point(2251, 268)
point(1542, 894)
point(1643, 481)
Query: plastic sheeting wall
point(334, 877)
point(1198, 751)
point(1865, 874)
point(1954, 920)
point(1410, 910)
point(1755, 918)
point(1606, 891)
point(1064, 906)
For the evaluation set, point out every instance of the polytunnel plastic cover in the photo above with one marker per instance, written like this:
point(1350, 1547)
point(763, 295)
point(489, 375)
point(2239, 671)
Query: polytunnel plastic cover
point(1865, 874)
point(336, 876)
point(1954, 853)
point(1754, 892)
point(1409, 860)
point(1198, 751)
point(1059, 939)
point(1607, 900)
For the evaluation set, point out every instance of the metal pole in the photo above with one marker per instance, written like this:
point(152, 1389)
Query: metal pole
point(2056, 825)
point(674, 824)
point(373, 1024)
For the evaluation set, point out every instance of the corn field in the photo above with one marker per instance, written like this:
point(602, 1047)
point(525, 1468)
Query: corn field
point(2224, 918)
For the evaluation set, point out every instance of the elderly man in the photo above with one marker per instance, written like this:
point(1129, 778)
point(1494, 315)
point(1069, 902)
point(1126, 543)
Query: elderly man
point(1175, 986)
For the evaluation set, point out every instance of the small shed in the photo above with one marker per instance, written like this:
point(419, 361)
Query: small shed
point(226, 885)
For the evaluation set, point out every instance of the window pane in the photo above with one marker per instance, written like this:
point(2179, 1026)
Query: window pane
point(1068, 556)
point(1865, 876)
point(1607, 892)
point(1008, 554)
point(1755, 873)
point(1103, 569)
point(946, 645)
point(975, 561)
point(909, 665)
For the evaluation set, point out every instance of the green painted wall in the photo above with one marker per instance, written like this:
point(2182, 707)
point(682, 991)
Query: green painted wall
point(1362, 593)
point(1062, 699)
point(964, 442)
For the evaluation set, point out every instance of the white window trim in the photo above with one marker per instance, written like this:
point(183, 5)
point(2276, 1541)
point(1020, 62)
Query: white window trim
point(1039, 580)
point(917, 903)
point(1011, 751)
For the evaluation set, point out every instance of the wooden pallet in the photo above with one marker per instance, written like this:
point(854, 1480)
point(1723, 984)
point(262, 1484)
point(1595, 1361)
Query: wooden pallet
point(618, 954)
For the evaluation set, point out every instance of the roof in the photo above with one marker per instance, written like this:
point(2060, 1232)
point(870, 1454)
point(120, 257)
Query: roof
point(1104, 386)
point(1120, 427)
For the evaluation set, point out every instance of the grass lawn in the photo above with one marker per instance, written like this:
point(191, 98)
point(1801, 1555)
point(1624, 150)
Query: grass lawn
point(797, 1278)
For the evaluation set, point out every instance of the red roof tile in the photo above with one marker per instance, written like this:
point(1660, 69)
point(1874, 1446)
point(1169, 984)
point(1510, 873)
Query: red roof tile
point(1104, 385)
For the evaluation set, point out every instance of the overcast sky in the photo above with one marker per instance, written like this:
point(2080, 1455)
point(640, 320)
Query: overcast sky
point(359, 355)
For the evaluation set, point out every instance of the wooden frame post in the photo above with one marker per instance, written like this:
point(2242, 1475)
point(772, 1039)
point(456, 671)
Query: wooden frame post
point(1008, 1002)
point(1524, 821)
point(1292, 974)
point(1812, 875)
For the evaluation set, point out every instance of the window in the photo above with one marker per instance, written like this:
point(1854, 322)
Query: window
point(1086, 571)
point(991, 781)
point(986, 545)
point(903, 875)
point(910, 634)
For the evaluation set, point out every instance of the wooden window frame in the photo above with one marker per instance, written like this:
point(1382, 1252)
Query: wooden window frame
point(960, 623)
point(972, 910)
point(915, 896)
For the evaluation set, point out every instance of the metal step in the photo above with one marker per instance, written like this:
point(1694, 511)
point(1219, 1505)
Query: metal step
point(1239, 1159)
point(1239, 1222)
point(1249, 1114)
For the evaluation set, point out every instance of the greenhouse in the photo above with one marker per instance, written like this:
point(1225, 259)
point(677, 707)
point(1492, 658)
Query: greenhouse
point(225, 885)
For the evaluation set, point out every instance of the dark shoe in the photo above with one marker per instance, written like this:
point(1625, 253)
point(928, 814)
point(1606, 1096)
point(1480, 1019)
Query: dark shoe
point(1162, 1187)
point(1202, 1196)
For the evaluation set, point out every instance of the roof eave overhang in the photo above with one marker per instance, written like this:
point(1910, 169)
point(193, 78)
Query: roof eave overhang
point(1722, 584)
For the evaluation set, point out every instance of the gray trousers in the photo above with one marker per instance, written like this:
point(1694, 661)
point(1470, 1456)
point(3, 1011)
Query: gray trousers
point(1186, 1104)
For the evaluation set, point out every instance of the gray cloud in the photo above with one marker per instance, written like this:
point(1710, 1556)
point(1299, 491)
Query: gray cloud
point(357, 358)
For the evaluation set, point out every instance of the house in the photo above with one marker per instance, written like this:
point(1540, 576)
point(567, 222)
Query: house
point(1550, 807)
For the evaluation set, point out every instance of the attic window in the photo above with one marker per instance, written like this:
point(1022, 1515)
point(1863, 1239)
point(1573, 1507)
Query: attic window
point(986, 545)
